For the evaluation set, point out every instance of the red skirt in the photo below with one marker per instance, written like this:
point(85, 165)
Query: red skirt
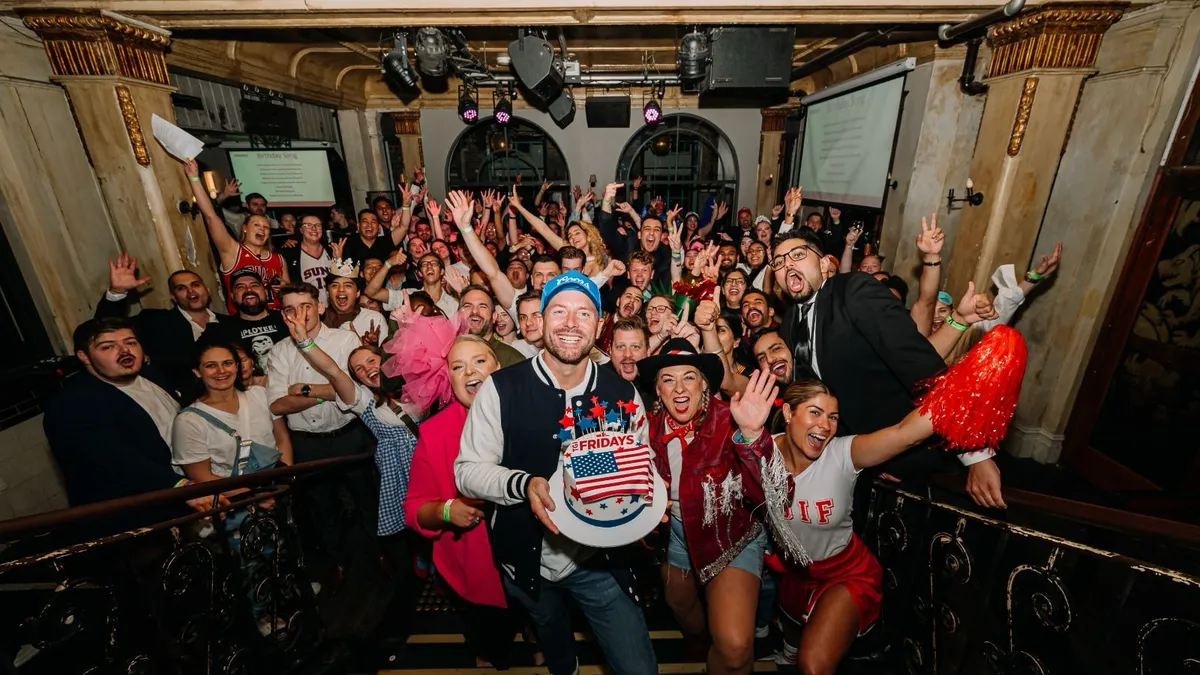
point(855, 567)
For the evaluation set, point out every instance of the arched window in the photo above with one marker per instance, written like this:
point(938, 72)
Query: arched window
point(684, 159)
point(489, 155)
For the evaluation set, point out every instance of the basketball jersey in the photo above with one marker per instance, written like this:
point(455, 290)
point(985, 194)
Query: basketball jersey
point(313, 270)
point(818, 513)
point(269, 269)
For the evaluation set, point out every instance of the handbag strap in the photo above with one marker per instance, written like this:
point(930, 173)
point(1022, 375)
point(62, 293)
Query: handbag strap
point(213, 421)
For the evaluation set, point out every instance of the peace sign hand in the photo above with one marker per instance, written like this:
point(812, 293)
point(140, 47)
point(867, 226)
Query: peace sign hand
point(751, 408)
point(930, 241)
point(1050, 263)
point(370, 337)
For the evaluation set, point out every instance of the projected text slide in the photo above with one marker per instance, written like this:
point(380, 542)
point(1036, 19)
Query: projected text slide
point(285, 177)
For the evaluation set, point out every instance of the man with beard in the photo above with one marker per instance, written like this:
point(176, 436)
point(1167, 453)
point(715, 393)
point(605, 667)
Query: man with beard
point(727, 256)
point(849, 331)
point(166, 334)
point(772, 355)
point(110, 427)
point(258, 327)
point(756, 310)
point(476, 307)
point(630, 344)
point(344, 310)
point(511, 444)
point(369, 242)
point(647, 238)
point(733, 287)
point(252, 249)
point(629, 306)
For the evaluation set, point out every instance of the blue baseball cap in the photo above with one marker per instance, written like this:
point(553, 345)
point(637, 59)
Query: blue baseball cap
point(944, 298)
point(572, 280)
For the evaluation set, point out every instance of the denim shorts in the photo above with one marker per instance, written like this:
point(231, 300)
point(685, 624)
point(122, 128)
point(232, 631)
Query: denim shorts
point(750, 559)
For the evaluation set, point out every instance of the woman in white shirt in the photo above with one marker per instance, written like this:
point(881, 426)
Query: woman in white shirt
point(202, 450)
point(832, 584)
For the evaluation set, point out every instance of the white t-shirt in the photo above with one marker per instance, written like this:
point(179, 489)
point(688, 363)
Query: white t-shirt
point(362, 323)
point(819, 513)
point(447, 303)
point(313, 270)
point(156, 402)
point(194, 439)
point(527, 350)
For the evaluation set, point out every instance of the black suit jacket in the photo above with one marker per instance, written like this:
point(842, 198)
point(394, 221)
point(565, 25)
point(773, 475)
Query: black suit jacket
point(868, 350)
point(107, 446)
point(166, 337)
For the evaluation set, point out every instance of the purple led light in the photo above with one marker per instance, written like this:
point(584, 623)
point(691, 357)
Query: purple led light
point(470, 115)
point(502, 117)
point(651, 114)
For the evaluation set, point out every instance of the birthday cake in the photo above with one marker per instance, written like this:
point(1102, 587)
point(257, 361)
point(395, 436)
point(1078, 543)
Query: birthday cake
point(607, 478)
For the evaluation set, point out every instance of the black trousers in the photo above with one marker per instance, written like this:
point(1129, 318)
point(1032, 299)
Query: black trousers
point(488, 630)
point(329, 497)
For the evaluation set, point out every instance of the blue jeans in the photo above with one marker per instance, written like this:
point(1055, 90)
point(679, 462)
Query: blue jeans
point(617, 622)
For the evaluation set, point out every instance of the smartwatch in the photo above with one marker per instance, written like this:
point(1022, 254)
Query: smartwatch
point(305, 390)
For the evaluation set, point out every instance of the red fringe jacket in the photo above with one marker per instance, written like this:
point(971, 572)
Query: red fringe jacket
point(714, 501)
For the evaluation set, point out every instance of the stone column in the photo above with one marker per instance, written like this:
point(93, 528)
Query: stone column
point(770, 154)
point(408, 130)
point(1039, 63)
point(115, 75)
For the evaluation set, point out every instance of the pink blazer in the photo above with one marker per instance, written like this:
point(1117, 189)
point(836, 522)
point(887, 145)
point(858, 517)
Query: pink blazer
point(463, 559)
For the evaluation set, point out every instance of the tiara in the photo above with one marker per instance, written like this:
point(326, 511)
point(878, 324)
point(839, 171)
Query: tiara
point(343, 267)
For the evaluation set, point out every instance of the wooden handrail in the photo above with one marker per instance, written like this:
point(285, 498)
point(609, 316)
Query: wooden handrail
point(51, 520)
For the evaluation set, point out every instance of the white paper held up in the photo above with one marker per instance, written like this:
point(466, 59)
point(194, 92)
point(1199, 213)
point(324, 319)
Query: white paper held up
point(174, 140)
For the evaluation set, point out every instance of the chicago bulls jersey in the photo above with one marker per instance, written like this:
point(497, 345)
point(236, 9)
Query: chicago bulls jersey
point(269, 269)
point(818, 513)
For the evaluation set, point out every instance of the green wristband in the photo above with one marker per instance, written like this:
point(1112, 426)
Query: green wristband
point(320, 400)
point(194, 179)
point(446, 510)
point(956, 325)
point(1034, 275)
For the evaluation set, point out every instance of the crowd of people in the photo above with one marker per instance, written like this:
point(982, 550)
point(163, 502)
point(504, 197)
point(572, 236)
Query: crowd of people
point(766, 360)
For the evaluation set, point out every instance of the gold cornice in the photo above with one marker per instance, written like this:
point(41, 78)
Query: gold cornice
point(1021, 122)
point(133, 126)
point(1051, 36)
point(773, 119)
point(408, 122)
point(90, 43)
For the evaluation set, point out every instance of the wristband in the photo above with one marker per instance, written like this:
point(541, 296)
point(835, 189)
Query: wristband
point(194, 179)
point(938, 263)
point(320, 400)
point(387, 264)
point(446, 510)
point(956, 325)
point(306, 344)
point(405, 208)
point(1033, 277)
point(182, 482)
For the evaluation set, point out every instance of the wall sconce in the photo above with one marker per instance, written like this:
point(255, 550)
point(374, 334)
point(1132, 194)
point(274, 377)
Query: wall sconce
point(210, 183)
point(973, 198)
point(188, 208)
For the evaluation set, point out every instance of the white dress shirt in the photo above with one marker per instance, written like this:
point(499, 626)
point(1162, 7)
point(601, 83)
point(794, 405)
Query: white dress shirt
point(362, 323)
point(197, 329)
point(157, 403)
point(286, 366)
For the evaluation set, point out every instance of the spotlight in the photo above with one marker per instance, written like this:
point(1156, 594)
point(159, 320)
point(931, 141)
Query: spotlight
point(431, 51)
point(693, 56)
point(468, 106)
point(396, 69)
point(652, 112)
point(502, 108)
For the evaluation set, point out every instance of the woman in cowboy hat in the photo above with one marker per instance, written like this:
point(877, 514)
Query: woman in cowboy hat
point(712, 530)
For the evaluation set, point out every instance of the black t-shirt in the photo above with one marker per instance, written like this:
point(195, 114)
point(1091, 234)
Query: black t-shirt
point(357, 251)
point(259, 335)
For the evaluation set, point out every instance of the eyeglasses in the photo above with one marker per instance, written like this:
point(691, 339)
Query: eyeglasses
point(796, 255)
point(735, 282)
point(660, 309)
point(428, 264)
point(313, 225)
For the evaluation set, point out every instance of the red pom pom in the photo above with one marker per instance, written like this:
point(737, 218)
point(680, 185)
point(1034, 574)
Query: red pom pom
point(696, 290)
point(972, 402)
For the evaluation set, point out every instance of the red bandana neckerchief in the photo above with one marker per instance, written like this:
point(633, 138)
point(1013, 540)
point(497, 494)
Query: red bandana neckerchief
point(679, 432)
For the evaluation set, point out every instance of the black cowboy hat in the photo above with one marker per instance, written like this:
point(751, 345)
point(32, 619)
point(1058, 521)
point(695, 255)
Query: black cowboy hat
point(680, 352)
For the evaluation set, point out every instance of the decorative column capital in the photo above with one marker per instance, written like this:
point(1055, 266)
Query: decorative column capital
point(102, 43)
point(408, 122)
point(1051, 36)
point(774, 119)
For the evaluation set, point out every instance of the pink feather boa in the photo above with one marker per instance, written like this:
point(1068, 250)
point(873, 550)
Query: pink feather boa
point(418, 352)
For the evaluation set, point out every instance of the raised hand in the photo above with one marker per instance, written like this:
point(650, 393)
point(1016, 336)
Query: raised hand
point(853, 234)
point(673, 215)
point(461, 208)
point(794, 199)
point(404, 311)
point(674, 235)
point(615, 268)
point(776, 210)
point(722, 210)
point(1050, 263)
point(419, 175)
point(370, 338)
point(931, 239)
point(432, 208)
point(706, 315)
point(545, 184)
point(122, 274)
point(337, 247)
point(191, 169)
point(398, 257)
point(625, 207)
point(835, 214)
point(229, 189)
point(296, 324)
point(405, 196)
point(751, 408)
point(514, 199)
point(455, 278)
point(610, 191)
point(975, 307)
point(489, 200)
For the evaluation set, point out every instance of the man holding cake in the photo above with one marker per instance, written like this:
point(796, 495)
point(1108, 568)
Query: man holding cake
point(559, 416)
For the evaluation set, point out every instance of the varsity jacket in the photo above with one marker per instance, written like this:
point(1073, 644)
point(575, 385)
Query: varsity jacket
point(714, 502)
point(517, 428)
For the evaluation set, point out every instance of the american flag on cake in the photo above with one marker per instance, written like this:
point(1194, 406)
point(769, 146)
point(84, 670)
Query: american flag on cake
point(624, 471)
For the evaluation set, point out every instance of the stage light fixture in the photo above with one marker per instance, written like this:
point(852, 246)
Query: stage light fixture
point(693, 56)
point(502, 108)
point(397, 71)
point(468, 106)
point(431, 51)
point(652, 111)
